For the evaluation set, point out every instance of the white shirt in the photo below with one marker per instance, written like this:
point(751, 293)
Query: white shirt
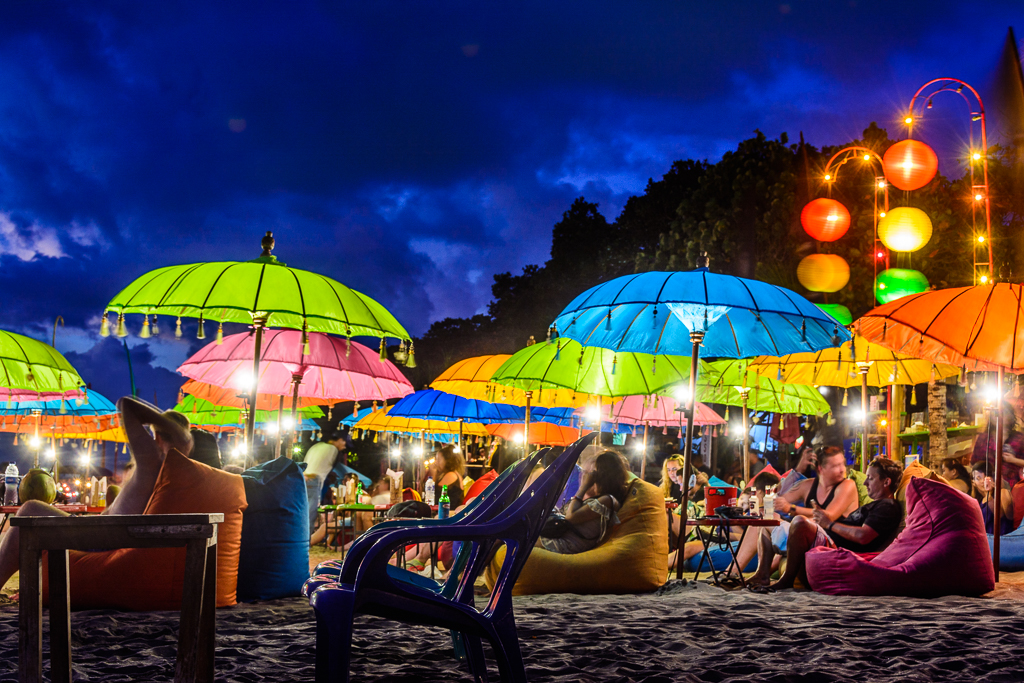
point(320, 459)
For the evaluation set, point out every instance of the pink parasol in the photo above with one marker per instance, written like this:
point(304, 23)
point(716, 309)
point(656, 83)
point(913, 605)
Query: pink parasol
point(656, 411)
point(333, 370)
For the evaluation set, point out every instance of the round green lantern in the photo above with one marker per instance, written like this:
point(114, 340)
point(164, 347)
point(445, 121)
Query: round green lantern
point(895, 283)
point(838, 311)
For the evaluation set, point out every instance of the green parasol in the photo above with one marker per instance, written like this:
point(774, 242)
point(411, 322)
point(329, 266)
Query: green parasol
point(264, 293)
point(31, 370)
point(200, 412)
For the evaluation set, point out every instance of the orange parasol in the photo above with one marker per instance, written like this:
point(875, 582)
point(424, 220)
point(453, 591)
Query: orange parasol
point(540, 433)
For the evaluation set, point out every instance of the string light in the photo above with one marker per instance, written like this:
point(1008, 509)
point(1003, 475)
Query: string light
point(976, 156)
point(981, 238)
point(867, 157)
point(978, 197)
point(828, 176)
point(909, 120)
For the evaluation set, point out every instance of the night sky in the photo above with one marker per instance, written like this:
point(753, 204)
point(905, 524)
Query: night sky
point(408, 149)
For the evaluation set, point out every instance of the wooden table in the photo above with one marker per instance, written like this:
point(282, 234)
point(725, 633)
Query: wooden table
point(722, 524)
point(75, 509)
point(57, 535)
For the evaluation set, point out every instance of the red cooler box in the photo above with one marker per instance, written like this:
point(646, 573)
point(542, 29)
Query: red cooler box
point(717, 496)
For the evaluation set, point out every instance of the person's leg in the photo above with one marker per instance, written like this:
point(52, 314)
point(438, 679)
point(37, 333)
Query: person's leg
point(765, 555)
point(746, 552)
point(314, 487)
point(802, 535)
point(9, 550)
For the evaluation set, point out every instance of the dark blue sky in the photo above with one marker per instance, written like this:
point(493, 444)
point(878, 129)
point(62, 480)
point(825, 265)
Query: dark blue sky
point(408, 149)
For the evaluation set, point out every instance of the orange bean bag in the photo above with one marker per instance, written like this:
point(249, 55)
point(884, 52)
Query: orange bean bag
point(145, 579)
point(632, 559)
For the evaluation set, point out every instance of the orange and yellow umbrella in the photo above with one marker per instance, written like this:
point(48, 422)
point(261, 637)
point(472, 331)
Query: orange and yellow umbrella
point(381, 421)
point(544, 433)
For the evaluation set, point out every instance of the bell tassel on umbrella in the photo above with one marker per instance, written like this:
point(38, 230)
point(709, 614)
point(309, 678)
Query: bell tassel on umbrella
point(845, 392)
point(411, 363)
point(220, 334)
point(156, 328)
point(144, 333)
point(177, 329)
point(201, 334)
point(105, 326)
point(383, 351)
point(355, 410)
point(121, 330)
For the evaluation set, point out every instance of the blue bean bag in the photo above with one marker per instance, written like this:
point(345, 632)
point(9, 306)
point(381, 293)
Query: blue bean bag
point(720, 557)
point(274, 559)
point(1011, 550)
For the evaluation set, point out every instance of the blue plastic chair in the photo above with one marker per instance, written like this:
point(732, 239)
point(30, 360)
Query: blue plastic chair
point(375, 591)
point(496, 497)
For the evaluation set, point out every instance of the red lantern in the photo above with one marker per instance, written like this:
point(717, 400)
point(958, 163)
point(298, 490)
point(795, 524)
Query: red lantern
point(825, 220)
point(910, 164)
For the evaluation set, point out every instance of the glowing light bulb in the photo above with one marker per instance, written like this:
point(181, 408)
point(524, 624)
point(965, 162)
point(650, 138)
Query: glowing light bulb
point(828, 176)
point(518, 438)
point(84, 461)
point(880, 255)
point(881, 184)
point(823, 391)
point(287, 422)
point(683, 395)
point(638, 447)
point(991, 394)
point(981, 238)
point(984, 279)
point(238, 451)
point(883, 422)
point(881, 285)
point(857, 414)
point(417, 451)
point(593, 414)
point(881, 214)
point(832, 217)
point(909, 120)
point(976, 156)
point(908, 165)
point(35, 442)
point(978, 197)
point(867, 157)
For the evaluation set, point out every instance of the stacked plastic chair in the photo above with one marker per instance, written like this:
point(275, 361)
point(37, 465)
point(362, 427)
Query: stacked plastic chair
point(367, 584)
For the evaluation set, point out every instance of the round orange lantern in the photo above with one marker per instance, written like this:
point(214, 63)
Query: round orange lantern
point(825, 220)
point(823, 272)
point(905, 229)
point(910, 164)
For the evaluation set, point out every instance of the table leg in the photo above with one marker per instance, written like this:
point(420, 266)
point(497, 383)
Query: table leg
point(30, 611)
point(60, 617)
point(191, 611)
point(735, 557)
point(208, 620)
point(705, 540)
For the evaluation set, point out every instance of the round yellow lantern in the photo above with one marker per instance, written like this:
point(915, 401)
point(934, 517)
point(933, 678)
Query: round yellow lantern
point(905, 229)
point(823, 272)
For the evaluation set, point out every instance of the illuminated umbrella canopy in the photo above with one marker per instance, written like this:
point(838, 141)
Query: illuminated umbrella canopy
point(726, 381)
point(431, 404)
point(896, 283)
point(839, 367)
point(837, 311)
point(96, 413)
point(656, 411)
point(383, 421)
point(200, 412)
point(655, 312)
point(910, 164)
point(333, 370)
point(471, 378)
point(31, 370)
point(567, 365)
point(979, 328)
point(544, 433)
point(241, 292)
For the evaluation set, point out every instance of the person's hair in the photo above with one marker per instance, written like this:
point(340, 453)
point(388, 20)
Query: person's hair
point(828, 452)
point(453, 462)
point(666, 483)
point(765, 479)
point(961, 471)
point(205, 449)
point(611, 475)
point(502, 459)
point(180, 418)
point(891, 470)
point(335, 435)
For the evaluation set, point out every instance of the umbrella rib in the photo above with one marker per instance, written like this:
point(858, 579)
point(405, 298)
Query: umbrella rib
point(173, 286)
point(979, 321)
point(209, 292)
point(156, 274)
point(622, 338)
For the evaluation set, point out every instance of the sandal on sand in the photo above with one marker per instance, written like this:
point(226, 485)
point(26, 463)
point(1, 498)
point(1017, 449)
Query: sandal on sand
point(731, 582)
point(760, 588)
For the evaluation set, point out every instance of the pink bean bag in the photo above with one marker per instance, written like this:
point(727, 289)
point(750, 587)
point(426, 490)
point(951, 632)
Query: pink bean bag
point(942, 551)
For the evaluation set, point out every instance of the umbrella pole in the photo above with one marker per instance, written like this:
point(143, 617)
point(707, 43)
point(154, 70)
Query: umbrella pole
point(889, 453)
point(461, 449)
point(643, 452)
point(296, 381)
point(280, 409)
point(526, 428)
point(259, 321)
point(864, 447)
point(997, 512)
point(746, 439)
point(695, 337)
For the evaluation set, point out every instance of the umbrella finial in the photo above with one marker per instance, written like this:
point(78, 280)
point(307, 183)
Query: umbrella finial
point(267, 243)
point(704, 261)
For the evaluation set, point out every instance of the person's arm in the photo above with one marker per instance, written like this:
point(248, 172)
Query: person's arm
point(145, 414)
point(792, 498)
point(861, 535)
point(578, 513)
point(846, 495)
point(449, 480)
point(702, 481)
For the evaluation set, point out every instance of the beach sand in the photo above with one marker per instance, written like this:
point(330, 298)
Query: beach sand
point(691, 632)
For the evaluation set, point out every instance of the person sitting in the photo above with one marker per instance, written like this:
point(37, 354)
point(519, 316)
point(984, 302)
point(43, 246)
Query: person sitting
point(984, 492)
point(447, 471)
point(670, 473)
point(984, 450)
point(868, 529)
point(205, 449)
point(591, 512)
point(148, 451)
point(956, 475)
point(829, 490)
point(320, 459)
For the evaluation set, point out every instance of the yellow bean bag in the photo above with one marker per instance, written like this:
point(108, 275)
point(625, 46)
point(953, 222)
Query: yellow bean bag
point(632, 559)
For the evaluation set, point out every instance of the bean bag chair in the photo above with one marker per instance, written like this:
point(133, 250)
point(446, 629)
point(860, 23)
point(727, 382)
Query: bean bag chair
point(1011, 549)
point(859, 478)
point(274, 558)
point(632, 559)
point(914, 469)
point(1017, 493)
point(147, 579)
point(479, 485)
point(943, 550)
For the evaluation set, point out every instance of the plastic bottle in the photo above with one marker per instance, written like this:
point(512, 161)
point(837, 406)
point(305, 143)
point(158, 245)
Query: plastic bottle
point(444, 505)
point(11, 482)
point(428, 492)
point(754, 512)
